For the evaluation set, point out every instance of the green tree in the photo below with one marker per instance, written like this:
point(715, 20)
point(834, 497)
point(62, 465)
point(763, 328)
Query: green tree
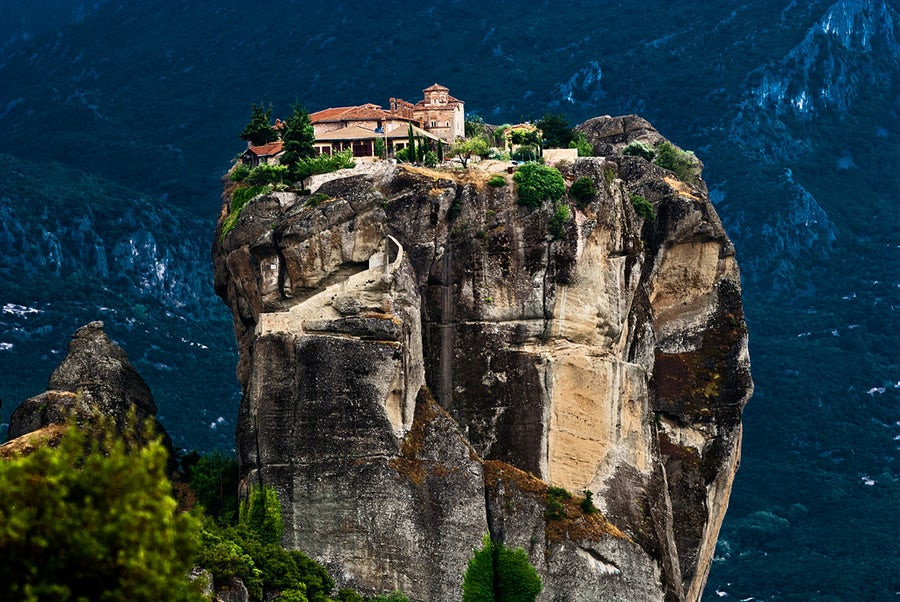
point(537, 183)
point(214, 480)
point(94, 519)
point(411, 146)
point(380, 148)
point(580, 142)
point(556, 131)
point(468, 147)
point(500, 574)
point(259, 131)
point(440, 151)
point(299, 139)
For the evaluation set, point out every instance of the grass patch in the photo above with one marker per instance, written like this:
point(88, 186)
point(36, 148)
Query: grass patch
point(239, 199)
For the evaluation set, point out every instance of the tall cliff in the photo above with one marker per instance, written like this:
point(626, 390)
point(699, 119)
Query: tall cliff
point(421, 358)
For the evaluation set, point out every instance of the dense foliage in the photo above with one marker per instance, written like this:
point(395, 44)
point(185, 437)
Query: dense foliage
point(93, 519)
point(555, 130)
point(538, 183)
point(500, 574)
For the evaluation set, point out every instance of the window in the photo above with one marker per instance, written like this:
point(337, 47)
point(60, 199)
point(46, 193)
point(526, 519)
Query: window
point(433, 123)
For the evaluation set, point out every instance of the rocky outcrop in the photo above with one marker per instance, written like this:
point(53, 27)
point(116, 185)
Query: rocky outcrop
point(94, 380)
point(421, 358)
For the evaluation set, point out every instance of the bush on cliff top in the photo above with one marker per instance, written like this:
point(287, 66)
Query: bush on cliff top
point(537, 183)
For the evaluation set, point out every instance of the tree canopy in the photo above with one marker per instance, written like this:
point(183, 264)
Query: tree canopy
point(556, 131)
point(467, 148)
point(93, 519)
point(500, 574)
point(259, 130)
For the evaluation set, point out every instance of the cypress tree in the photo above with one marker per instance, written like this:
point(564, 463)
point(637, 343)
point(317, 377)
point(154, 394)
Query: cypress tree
point(440, 151)
point(258, 131)
point(299, 140)
point(411, 145)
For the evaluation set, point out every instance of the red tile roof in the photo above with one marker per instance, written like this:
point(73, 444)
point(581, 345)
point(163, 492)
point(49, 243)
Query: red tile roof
point(435, 87)
point(267, 150)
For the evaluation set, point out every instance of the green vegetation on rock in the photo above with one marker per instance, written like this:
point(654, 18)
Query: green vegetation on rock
point(683, 163)
point(583, 191)
point(497, 181)
point(643, 207)
point(636, 148)
point(538, 183)
point(239, 198)
point(501, 574)
point(556, 225)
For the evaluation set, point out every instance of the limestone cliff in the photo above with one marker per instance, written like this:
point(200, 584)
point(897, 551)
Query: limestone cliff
point(421, 358)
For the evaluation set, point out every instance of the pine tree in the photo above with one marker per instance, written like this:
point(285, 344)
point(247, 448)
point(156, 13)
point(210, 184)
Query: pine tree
point(299, 139)
point(259, 131)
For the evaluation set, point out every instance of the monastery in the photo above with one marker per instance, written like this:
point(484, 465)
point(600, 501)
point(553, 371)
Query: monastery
point(437, 117)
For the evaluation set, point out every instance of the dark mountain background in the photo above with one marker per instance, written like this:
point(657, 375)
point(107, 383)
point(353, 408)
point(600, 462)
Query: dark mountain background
point(118, 119)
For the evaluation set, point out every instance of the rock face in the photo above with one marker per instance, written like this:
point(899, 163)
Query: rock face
point(421, 358)
point(95, 379)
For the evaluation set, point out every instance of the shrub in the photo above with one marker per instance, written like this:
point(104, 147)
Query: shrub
point(497, 181)
point(556, 510)
point(266, 174)
point(252, 552)
point(684, 164)
point(587, 504)
point(239, 172)
point(643, 207)
point(636, 148)
point(538, 183)
point(322, 164)
point(348, 595)
point(402, 155)
point(261, 515)
point(583, 191)
point(94, 519)
point(430, 159)
point(499, 573)
point(557, 223)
